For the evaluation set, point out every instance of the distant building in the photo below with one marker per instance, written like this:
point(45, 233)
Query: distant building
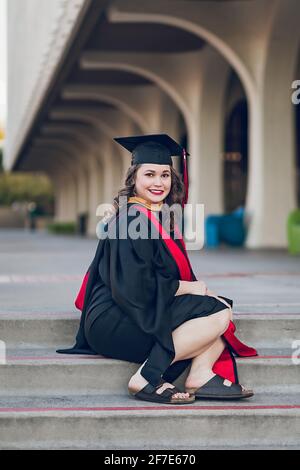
point(216, 75)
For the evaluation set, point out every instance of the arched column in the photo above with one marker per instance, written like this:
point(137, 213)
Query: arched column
point(203, 21)
point(274, 180)
point(129, 101)
point(106, 122)
point(211, 130)
point(112, 162)
point(63, 176)
point(94, 162)
point(73, 153)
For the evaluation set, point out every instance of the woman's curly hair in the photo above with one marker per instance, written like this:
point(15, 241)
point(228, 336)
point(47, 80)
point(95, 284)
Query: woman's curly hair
point(175, 196)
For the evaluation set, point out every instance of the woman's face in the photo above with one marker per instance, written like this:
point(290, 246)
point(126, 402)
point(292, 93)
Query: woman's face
point(153, 182)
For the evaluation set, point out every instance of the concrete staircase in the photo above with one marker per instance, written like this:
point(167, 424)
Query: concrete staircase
point(52, 401)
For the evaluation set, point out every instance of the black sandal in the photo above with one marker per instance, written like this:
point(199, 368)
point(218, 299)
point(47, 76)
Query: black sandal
point(148, 393)
point(219, 388)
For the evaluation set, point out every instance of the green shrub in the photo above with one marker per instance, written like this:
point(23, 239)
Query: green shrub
point(23, 187)
point(62, 228)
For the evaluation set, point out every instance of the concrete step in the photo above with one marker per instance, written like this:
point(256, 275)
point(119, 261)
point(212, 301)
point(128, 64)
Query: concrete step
point(121, 422)
point(41, 372)
point(59, 330)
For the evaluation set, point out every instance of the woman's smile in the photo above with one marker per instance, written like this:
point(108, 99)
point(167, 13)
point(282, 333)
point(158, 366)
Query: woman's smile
point(157, 192)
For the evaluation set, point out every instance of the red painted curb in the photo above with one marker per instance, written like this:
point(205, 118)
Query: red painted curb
point(155, 408)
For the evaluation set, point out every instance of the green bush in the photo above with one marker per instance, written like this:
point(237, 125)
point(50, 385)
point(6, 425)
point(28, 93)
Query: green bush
point(23, 187)
point(62, 228)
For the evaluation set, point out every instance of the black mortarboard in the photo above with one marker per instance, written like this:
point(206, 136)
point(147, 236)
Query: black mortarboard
point(157, 149)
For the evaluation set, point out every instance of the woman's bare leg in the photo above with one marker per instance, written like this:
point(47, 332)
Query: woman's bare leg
point(189, 339)
point(201, 368)
point(195, 336)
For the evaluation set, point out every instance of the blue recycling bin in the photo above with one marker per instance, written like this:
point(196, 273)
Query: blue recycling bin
point(228, 228)
point(212, 237)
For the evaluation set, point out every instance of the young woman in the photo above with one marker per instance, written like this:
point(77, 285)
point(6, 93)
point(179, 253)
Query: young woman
point(140, 299)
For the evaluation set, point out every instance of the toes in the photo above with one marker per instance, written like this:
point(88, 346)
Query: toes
point(181, 395)
point(177, 395)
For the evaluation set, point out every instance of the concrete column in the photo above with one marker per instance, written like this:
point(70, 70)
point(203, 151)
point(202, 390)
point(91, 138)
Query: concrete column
point(63, 176)
point(96, 193)
point(74, 153)
point(211, 131)
point(272, 189)
point(58, 195)
point(70, 200)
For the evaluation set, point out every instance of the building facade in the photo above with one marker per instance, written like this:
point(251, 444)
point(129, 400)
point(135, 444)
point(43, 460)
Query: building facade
point(218, 76)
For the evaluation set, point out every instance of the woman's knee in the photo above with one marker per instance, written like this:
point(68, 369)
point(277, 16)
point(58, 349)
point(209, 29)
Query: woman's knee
point(223, 319)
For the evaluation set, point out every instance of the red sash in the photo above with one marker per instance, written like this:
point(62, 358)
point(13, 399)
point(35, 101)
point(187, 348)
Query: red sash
point(225, 366)
point(79, 301)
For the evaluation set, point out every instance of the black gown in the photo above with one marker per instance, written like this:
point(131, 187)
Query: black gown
point(130, 307)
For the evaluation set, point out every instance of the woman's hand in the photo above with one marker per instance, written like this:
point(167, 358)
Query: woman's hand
point(198, 288)
point(211, 293)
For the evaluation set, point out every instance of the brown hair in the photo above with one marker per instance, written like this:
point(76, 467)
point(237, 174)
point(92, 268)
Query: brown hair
point(175, 196)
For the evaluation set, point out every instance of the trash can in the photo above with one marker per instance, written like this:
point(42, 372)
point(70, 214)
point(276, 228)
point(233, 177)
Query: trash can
point(82, 224)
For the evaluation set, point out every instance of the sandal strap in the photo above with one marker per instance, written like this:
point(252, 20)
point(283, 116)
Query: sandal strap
point(218, 381)
point(216, 387)
point(149, 388)
point(168, 392)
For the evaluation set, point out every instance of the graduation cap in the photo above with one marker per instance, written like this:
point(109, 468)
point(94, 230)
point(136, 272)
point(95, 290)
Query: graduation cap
point(157, 149)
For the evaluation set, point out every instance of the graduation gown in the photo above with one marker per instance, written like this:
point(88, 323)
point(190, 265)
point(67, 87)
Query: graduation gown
point(128, 303)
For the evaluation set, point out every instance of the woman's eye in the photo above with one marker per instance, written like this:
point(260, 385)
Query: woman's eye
point(165, 175)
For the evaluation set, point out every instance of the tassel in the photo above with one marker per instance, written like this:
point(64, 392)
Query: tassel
point(185, 177)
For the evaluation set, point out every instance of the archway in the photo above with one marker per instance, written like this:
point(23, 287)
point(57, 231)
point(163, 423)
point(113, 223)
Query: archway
point(235, 156)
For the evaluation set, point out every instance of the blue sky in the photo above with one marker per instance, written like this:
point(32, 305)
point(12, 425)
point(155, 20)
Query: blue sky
point(2, 61)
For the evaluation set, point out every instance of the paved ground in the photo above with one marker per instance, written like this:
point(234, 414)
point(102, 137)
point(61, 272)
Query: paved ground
point(42, 273)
